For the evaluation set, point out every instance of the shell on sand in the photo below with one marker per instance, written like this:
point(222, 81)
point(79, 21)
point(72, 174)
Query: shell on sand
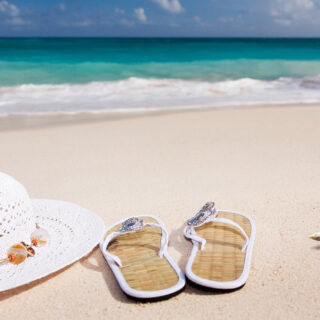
point(315, 236)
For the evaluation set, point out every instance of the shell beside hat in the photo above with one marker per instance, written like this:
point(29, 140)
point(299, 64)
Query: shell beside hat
point(74, 232)
point(17, 221)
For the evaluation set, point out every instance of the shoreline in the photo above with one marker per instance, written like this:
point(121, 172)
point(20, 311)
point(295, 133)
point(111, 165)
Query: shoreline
point(23, 121)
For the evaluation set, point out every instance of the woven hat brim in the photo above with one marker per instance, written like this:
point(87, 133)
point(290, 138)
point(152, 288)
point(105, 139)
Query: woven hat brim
point(74, 232)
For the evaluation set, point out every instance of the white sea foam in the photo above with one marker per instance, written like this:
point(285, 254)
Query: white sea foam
point(143, 94)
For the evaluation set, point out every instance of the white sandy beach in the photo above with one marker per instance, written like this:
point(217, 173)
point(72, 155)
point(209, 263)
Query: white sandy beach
point(261, 161)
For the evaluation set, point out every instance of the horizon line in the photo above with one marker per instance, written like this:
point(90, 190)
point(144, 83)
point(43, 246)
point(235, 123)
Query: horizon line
point(159, 37)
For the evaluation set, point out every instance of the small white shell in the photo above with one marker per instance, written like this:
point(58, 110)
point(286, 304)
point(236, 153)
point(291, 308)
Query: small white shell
point(40, 237)
point(315, 236)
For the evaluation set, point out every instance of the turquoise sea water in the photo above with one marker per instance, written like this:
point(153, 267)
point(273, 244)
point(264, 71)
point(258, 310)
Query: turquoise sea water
point(113, 71)
point(83, 60)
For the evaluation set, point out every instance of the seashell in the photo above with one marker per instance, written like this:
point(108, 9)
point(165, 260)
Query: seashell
point(315, 236)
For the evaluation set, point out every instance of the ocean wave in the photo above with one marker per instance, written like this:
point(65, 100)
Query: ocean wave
point(15, 73)
point(148, 94)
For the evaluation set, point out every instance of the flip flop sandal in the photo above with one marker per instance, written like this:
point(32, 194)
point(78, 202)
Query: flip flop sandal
point(136, 251)
point(222, 248)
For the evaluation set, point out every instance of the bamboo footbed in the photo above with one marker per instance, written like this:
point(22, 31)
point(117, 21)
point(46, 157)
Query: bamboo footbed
point(142, 268)
point(221, 259)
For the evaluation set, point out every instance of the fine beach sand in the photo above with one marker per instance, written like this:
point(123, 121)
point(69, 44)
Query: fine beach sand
point(264, 162)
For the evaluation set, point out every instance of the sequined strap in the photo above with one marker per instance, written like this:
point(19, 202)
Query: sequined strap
point(209, 214)
point(128, 226)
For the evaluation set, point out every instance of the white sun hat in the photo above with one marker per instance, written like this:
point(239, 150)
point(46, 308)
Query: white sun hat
point(73, 233)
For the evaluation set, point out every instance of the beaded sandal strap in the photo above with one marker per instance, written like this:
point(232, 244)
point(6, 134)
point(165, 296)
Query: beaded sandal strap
point(129, 226)
point(208, 213)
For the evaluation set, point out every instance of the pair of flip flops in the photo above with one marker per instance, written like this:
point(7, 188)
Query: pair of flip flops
point(136, 251)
